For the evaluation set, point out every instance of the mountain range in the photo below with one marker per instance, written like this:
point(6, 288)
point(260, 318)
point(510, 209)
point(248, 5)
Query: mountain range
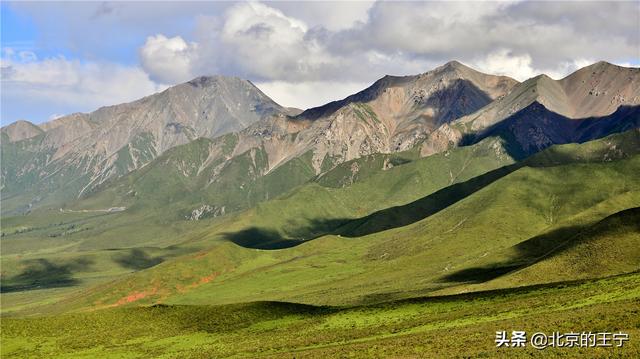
point(246, 136)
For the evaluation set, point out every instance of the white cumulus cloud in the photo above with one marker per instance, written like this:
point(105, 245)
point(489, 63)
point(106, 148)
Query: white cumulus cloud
point(169, 60)
point(263, 42)
point(69, 83)
point(305, 95)
point(504, 62)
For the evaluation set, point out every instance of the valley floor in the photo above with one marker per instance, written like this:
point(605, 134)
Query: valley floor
point(461, 326)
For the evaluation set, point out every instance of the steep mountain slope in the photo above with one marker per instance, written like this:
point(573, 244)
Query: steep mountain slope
point(440, 95)
point(535, 128)
point(396, 113)
point(590, 103)
point(593, 91)
point(392, 115)
point(80, 151)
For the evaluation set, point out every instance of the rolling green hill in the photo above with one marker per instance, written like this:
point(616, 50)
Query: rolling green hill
point(608, 247)
point(481, 240)
point(412, 328)
point(414, 236)
point(154, 226)
point(478, 238)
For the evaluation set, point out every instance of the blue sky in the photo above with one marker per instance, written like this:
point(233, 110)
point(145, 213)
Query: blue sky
point(17, 30)
point(60, 58)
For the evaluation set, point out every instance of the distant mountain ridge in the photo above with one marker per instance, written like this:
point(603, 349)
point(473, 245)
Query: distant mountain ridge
point(114, 140)
point(21, 130)
point(431, 112)
point(590, 103)
point(593, 91)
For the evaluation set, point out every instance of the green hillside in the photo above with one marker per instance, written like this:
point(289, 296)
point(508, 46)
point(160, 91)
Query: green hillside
point(414, 236)
point(481, 237)
point(147, 194)
point(611, 246)
point(477, 236)
point(85, 242)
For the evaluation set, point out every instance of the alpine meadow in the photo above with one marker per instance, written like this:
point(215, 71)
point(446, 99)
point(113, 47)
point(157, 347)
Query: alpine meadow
point(187, 208)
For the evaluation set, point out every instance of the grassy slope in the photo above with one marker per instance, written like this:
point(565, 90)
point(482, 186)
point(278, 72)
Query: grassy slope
point(467, 235)
point(66, 239)
point(455, 326)
point(160, 195)
point(481, 241)
point(335, 269)
point(317, 208)
point(610, 246)
point(474, 240)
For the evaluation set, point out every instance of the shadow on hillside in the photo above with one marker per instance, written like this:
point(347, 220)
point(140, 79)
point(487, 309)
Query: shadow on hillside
point(397, 216)
point(461, 97)
point(42, 274)
point(231, 317)
point(479, 274)
point(137, 259)
point(258, 238)
point(551, 128)
point(422, 208)
point(382, 220)
point(527, 253)
point(548, 245)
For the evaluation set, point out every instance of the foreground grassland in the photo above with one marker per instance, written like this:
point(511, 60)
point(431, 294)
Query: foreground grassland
point(451, 326)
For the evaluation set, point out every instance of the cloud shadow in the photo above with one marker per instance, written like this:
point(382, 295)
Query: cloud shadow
point(137, 259)
point(42, 274)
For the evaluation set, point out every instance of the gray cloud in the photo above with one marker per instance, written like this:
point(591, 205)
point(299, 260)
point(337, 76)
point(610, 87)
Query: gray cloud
point(551, 33)
point(261, 42)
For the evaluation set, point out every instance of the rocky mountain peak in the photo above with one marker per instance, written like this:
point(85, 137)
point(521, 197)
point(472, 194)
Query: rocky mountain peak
point(213, 80)
point(447, 81)
point(393, 114)
point(453, 66)
point(120, 138)
point(21, 130)
point(594, 91)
